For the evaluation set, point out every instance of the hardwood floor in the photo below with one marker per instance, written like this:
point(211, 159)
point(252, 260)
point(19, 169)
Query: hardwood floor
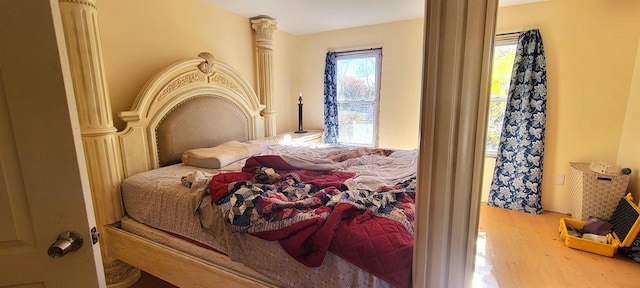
point(517, 249)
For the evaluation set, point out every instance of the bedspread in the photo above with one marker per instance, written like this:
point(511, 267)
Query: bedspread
point(309, 212)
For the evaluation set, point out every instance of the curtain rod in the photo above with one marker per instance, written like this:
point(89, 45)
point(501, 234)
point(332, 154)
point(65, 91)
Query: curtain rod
point(357, 50)
point(511, 33)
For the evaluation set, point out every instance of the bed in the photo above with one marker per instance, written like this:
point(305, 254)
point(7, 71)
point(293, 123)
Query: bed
point(184, 223)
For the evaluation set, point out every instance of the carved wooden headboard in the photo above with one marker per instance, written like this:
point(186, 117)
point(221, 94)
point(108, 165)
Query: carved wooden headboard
point(199, 102)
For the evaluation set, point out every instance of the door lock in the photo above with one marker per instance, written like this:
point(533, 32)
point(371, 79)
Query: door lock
point(95, 235)
point(67, 242)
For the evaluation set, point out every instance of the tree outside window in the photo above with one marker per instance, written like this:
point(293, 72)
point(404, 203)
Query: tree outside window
point(358, 86)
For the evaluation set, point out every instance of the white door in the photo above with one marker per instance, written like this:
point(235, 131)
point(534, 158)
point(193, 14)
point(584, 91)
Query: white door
point(44, 187)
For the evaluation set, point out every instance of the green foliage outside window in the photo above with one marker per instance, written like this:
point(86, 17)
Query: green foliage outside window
point(501, 76)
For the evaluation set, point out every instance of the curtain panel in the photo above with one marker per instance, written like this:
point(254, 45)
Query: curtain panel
point(330, 100)
point(517, 179)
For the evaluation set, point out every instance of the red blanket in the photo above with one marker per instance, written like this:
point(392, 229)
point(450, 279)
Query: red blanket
point(309, 215)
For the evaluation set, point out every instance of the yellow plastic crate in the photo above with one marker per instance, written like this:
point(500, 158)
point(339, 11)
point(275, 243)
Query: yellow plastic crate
point(613, 241)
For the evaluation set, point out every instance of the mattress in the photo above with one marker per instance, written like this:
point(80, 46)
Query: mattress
point(160, 200)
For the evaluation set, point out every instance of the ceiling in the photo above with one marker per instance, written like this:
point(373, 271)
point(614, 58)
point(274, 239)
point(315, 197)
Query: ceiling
point(301, 17)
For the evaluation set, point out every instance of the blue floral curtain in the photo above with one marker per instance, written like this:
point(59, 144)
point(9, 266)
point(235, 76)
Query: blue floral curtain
point(517, 178)
point(330, 100)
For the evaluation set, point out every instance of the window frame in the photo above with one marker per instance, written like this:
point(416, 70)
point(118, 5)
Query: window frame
point(365, 53)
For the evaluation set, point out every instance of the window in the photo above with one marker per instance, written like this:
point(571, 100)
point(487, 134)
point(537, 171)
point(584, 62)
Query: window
point(503, 56)
point(358, 93)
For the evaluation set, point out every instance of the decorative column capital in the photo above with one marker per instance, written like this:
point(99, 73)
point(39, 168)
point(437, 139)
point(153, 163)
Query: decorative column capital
point(264, 26)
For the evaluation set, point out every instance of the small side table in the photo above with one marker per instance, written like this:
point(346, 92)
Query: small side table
point(312, 136)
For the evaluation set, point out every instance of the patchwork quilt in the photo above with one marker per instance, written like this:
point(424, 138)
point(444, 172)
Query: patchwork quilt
point(310, 212)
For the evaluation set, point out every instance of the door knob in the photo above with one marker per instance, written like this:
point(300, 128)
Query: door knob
point(67, 242)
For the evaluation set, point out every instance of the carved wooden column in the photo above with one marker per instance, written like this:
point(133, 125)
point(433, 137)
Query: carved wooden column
point(80, 21)
point(264, 26)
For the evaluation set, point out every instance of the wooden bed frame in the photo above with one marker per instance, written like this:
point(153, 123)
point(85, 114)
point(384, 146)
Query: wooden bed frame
point(165, 94)
point(183, 81)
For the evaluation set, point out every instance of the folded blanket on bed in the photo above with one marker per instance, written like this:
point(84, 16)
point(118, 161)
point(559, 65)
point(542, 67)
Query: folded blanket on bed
point(371, 229)
point(221, 155)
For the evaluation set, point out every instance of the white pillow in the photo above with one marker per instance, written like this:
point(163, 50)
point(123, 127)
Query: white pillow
point(221, 155)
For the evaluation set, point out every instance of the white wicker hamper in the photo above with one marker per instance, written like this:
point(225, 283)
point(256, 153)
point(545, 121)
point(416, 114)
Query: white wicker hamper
point(595, 194)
